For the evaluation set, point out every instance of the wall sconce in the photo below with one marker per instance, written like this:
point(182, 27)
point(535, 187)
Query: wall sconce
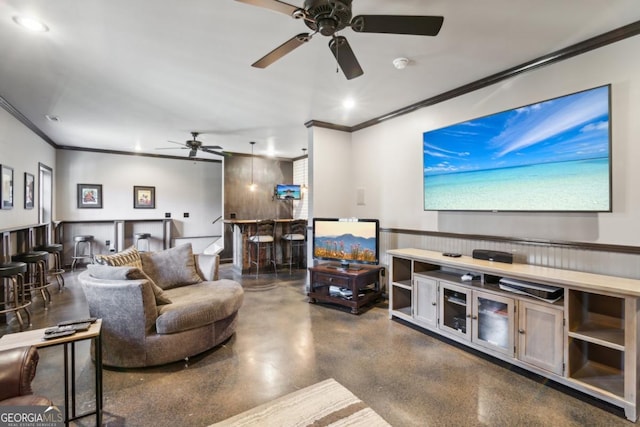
point(252, 186)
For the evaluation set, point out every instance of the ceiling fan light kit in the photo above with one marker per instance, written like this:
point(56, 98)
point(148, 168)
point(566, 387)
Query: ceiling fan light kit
point(327, 17)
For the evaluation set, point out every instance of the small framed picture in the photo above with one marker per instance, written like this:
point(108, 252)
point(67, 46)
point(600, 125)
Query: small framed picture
point(6, 187)
point(144, 197)
point(89, 196)
point(29, 190)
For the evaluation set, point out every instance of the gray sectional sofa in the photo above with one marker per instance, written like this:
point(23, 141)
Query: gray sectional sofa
point(159, 307)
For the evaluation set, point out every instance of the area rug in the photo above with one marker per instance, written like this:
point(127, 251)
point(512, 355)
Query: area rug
point(326, 403)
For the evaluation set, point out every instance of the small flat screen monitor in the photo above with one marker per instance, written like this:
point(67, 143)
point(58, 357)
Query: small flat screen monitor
point(288, 192)
point(346, 240)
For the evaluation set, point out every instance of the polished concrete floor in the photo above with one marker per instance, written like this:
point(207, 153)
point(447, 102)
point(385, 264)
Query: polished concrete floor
point(283, 344)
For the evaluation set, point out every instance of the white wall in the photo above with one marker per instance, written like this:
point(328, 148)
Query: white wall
point(386, 160)
point(21, 149)
point(331, 191)
point(181, 186)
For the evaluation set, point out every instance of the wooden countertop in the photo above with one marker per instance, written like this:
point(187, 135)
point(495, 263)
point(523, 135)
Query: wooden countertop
point(532, 273)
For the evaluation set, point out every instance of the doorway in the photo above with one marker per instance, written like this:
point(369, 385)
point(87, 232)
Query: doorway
point(45, 194)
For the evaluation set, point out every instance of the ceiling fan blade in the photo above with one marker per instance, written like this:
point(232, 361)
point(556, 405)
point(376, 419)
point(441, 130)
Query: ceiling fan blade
point(179, 143)
point(211, 147)
point(169, 148)
point(398, 24)
point(282, 50)
point(345, 57)
point(217, 153)
point(278, 6)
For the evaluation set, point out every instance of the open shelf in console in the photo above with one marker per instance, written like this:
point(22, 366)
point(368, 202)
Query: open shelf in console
point(401, 300)
point(597, 318)
point(598, 366)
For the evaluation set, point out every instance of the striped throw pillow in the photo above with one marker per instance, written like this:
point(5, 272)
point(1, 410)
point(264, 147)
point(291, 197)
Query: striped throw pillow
point(128, 257)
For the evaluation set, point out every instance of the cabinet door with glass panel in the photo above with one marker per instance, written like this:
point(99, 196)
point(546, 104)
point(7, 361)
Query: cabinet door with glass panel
point(493, 320)
point(455, 310)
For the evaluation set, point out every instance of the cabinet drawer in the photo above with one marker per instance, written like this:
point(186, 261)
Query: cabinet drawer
point(328, 279)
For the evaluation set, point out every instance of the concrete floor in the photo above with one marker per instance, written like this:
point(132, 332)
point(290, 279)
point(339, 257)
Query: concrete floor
point(283, 344)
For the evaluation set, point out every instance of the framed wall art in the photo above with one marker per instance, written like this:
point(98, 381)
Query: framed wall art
point(89, 196)
point(29, 190)
point(6, 187)
point(144, 197)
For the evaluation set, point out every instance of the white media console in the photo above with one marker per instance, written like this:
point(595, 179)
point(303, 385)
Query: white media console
point(587, 339)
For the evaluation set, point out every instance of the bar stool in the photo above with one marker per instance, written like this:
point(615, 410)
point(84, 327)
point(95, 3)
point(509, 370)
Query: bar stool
point(262, 241)
point(55, 269)
point(36, 275)
point(142, 237)
point(13, 272)
point(295, 238)
point(85, 242)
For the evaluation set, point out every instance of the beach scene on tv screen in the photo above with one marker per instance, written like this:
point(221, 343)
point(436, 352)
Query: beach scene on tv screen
point(288, 191)
point(549, 156)
point(351, 241)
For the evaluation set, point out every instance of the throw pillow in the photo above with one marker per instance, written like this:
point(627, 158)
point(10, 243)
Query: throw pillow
point(171, 268)
point(128, 257)
point(107, 272)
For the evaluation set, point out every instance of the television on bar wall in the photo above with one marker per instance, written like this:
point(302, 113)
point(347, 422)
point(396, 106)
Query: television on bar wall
point(288, 192)
point(551, 156)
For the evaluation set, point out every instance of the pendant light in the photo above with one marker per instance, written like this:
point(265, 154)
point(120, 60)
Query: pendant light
point(252, 186)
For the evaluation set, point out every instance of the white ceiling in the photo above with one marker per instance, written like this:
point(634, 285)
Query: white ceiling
point(121, 73)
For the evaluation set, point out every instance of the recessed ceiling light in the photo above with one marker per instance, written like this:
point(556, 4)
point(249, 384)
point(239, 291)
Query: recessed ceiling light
point(31, 24)
point(349, 103)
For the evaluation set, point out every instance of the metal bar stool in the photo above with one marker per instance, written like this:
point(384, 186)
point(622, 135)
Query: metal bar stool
point(15, 299)
point(144, 237)
point(262, 241)
point(55, 270)
point(295, 239)
point(82, 242)
point(36, 275)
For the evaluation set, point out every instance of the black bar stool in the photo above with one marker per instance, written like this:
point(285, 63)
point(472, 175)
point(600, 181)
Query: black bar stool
point(84, 242)
point(263, 242)
point(36, 275)
point(15, 299)
point(142, 237)
point(55, 269)
point(293, 239)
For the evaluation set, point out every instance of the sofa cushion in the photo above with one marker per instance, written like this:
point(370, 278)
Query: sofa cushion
point(129, 256)
point(198, 305)
point(172, 267)
point(107, 272)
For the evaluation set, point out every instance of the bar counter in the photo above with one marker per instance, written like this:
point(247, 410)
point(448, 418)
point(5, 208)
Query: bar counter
point(242, 230)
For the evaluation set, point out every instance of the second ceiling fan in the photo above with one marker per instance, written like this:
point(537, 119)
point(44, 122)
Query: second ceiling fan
point(327, 17)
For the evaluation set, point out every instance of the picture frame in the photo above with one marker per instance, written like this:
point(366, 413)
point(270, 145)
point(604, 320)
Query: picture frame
point(89, 196)
point(29, 190)
point(6, 187)
point(144, 197)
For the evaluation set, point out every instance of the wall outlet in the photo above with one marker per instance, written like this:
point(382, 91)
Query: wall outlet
point(167, 214)
point(186, 214)
point(107, 243)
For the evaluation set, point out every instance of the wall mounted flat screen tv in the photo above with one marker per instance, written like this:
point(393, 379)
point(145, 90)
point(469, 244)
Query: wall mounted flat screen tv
point(288, 192)
point(552, 156)
point(347, 241)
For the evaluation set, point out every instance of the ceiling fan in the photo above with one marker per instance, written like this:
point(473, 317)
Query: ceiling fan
point(194, 145)
point(327, 17)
